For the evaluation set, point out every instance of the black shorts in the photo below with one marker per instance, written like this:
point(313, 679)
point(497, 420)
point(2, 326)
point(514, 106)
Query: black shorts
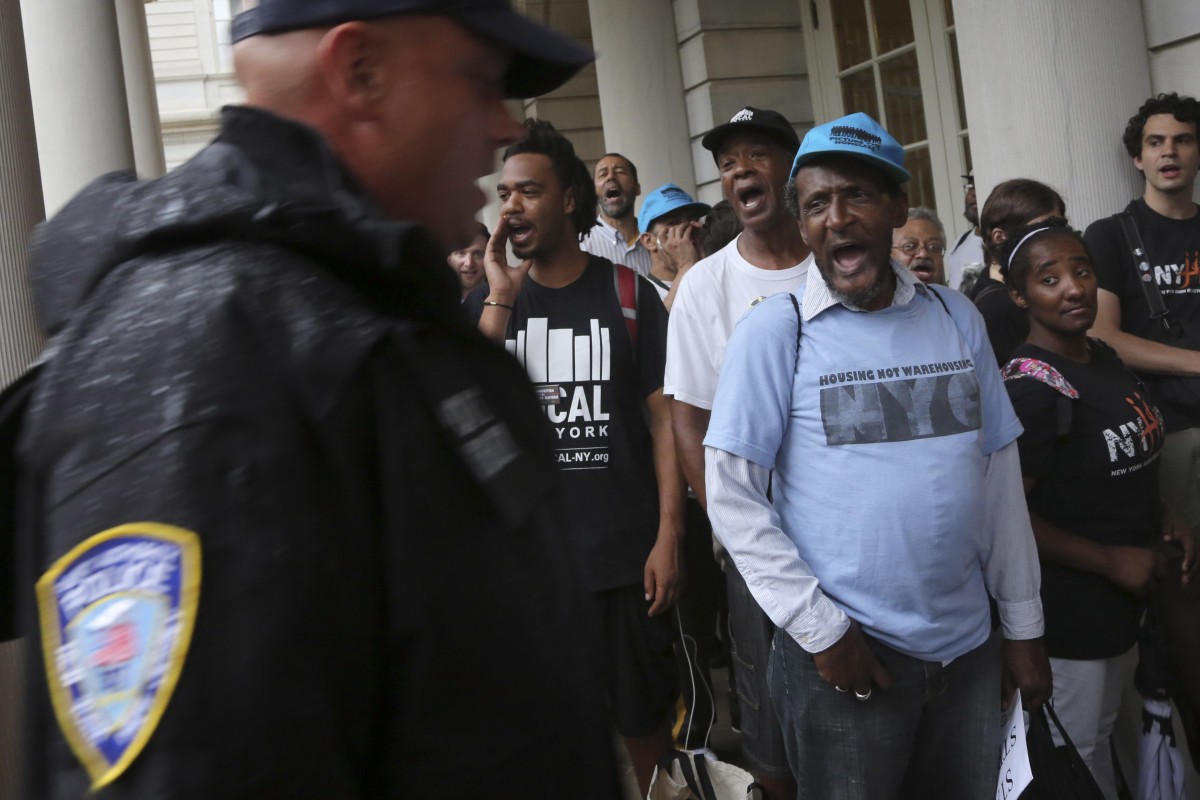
point(640, 676)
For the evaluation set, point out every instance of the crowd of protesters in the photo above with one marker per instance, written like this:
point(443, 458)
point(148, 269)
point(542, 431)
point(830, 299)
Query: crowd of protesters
point(302, 512)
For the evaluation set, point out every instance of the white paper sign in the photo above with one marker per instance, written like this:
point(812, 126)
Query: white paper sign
point(1015, 773)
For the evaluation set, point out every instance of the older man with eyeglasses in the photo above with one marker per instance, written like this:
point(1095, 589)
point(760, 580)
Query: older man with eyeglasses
point(920, 244)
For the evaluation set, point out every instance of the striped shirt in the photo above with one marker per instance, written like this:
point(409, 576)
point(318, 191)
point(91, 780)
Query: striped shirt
point(607, 242)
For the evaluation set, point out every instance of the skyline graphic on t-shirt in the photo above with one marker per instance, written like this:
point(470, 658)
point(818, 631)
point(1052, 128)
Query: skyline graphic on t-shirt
point(556, 356)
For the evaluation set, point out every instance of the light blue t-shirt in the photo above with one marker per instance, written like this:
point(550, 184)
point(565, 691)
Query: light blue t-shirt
point(878, 434)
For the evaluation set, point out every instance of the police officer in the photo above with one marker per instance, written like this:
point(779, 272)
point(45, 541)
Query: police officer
point(291, 521)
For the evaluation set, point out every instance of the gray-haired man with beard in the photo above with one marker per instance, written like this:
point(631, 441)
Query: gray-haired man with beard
point(852, 395)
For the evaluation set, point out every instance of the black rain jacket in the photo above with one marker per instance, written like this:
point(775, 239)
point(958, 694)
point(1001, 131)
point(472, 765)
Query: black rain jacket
point(247, 348)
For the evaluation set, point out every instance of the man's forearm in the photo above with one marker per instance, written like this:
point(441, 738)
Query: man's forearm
point(1141, 354)
point(747, 525)
point(672, 490)
point(1147, 355)
point(689, 424)
point(1010, 563)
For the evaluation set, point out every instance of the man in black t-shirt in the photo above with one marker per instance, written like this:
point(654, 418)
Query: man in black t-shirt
point(1162, 141)
point(592, 337)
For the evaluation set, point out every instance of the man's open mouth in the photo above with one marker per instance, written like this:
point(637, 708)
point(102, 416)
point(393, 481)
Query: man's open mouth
point(750, 197)
point(519, 232)
point(849, 258)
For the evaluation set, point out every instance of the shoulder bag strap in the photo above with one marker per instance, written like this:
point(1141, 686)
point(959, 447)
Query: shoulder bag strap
point(1133, 242)
point(1040, 371)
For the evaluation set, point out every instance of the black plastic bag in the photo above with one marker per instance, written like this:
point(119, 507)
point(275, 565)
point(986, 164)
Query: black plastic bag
point(1059, 773)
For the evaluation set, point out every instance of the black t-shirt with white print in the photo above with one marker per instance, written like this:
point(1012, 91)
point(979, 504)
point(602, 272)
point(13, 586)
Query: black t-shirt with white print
point(1173, 252)
point(1099, 480)
point(576, 347)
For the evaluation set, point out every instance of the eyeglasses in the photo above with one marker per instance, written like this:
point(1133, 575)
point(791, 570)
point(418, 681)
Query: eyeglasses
point(911, 248)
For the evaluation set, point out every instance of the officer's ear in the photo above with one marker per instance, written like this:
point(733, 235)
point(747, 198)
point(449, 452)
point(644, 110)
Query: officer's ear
point(353, 60)
point(647, 240)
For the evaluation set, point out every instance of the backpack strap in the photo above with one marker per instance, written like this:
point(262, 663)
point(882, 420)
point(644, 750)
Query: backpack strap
point(799, 319)
point(962, 239)
point(659, 282)
point(990, 289)
point(796, 305)
point(625, 282)
point(1042, 372)
point(945, 307)
point(1137, 249)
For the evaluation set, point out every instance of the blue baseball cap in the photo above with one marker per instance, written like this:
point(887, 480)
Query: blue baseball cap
point(542, 59)
point(663, 201)
point(858, 136)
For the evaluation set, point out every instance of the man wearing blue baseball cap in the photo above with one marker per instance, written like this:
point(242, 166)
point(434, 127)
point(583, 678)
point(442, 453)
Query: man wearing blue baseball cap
point(669, 228)
point(853, 395)
point(296, 529)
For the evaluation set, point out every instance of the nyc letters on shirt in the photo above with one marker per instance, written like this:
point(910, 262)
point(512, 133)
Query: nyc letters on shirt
point(900, 403)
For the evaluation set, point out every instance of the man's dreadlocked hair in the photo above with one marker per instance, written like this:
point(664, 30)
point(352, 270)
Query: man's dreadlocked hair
point(542, 138)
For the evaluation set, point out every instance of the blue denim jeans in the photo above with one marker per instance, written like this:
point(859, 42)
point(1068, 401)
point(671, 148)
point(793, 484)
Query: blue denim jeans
point(750, 635)
point(934, 734)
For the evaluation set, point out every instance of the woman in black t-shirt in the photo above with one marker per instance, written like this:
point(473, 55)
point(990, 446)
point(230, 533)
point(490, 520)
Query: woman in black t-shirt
point(1089, 458)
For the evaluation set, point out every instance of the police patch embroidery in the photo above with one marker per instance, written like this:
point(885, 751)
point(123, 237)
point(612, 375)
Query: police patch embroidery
point(117, 614)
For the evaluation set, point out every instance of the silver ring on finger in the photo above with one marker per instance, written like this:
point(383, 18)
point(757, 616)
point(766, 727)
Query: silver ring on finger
point(842, 689)
point(862, 698)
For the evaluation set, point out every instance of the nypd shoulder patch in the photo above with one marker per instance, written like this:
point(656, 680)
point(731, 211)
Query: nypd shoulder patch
point(117, 614)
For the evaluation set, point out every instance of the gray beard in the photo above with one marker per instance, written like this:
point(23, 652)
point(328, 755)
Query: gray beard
point(857, 299)
point(618, 205)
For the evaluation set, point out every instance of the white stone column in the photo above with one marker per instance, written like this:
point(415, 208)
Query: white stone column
point(77, 82)
point(1049, 88)
point(20, 200)
point(641, 89)
point(140, 93)
point(20, 210)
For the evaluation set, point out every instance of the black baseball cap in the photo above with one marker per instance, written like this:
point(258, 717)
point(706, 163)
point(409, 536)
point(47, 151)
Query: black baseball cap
point(542, 59)
point(750, 119)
